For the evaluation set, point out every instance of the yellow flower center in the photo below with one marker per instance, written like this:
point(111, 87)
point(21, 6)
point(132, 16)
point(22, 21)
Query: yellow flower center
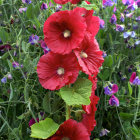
point(83, 55)
point(60, 71)
point(66, 33)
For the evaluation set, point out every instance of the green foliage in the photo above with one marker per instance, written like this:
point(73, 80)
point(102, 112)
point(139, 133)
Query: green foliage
point(78, 94)
point(44, 129)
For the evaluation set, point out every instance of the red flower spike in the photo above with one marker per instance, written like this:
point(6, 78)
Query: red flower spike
point(93, 24)
point(74, 1)
point(61, 1)
point(55, 70)
point(89, 117)
point(89, 56)
point(71, 130)
point(64, 31)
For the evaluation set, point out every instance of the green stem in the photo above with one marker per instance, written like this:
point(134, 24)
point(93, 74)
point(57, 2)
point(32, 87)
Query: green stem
point(68, 112)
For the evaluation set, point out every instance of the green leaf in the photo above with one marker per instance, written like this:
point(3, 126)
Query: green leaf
point(44, 129)
point(108, 61)
point(88, 6)
point(130, 89)
point(30, 11)
point(3, 35)
point(78, 94)
point(46, 103)
point(126, 116)
point(104, 74)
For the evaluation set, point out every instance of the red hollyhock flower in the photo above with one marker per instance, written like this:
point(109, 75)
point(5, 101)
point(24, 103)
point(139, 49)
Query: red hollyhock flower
point(89, 56)
point(61, 1)
point(74, 1)
point(93, 24)
point(71, 130)
point(89, 117)
point(55, 70)
point(64, 31)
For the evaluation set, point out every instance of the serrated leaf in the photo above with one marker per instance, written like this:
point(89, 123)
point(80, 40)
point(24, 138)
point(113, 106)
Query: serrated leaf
point(130, 89)
point(78, 94)
point(44, 129)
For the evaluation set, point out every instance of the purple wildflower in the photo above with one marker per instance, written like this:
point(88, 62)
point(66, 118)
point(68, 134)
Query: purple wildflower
point(32, 121)
point(115, 9)
point(4, 80)
point(122, 17)
point(58, 7)
point(5, 47)
point(113, 101)
point(134, 80)
point(104, 54)
point(0, 41)
point(44, 46)
point(119, 28)
point(137, 42)
point(111, 90)
point(9, 76)
point(132, 6)
point(127, 2)
point(108, 3)
point(129, 15)
point(50, 4)
point(27, 1)
point(33, 39)
point(44, 6)
point(102, 23)
point(21, 10)
point(104, 132)
point(138, 3)
point(113, 19)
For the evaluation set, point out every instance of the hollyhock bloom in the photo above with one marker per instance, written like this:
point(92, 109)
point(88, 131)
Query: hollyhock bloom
point(89, 117)
point(27, 1)
point(109, 90)
point(55, 70)
point(33, 39)
point(107, 3)
point(119, 28)
point(104, 132)
point(113, 19)
point(4, 80)
point(102, 23)
point(32, 121)
point(127, 2)
point(122, 17)
point(92, 22)
point(21, 10)
point(134, 79)
point(44, 46)
point(113, 101)
point(61, 1)
point(44, 6)
point(64, 31)
point(89, 56)
point(71, 130)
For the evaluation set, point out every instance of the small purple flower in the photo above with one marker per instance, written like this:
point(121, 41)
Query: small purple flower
point(113, 19)
point(138, 3)
point(33, 39)
point(119, 28)
point(104, 132)
point(127, 2)
point(108, 3)
point(102, 23)
point(137, 42)
point(138, 18)
point(115, 9)
point(133, 34)
point(9, 76)
point(134, 80)
point(104, 54)
point(44, 46)
point(50, 4)
point(21, 10)
point(122, 17)
point(1, 41)
point(111, 90)
point(126, 34)
point(132, 7)
point(32, 121)
point(113, 101)
point(4, 80)
point(15, 64)
point(129, 15)
point(5, 47)
point(27, 1)
point(58, 7)
point(44, 6)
